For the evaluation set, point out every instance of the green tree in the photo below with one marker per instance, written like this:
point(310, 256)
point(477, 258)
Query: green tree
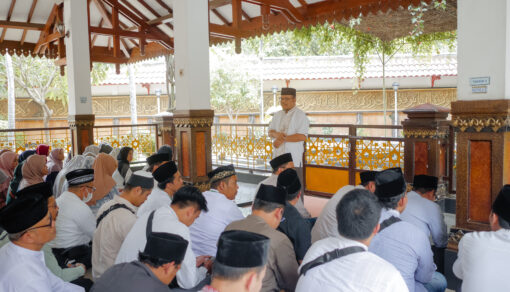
point(40, 79)
point(233, 85)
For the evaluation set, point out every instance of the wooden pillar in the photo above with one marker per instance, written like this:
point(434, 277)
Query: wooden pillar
point(166, 125)
point(426, 142)
point(193, 133)
point(82, 132)
point(483, 158)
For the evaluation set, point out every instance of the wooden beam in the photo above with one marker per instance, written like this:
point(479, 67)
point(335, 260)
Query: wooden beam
point(9, 14)
point(154, 12)
point(282, 5)
point(21, 25)
point(47, 26)
point(163, 4)
point(29, 18)
point(116, 29)
point(236, 22)
point(221, 17)
point(213, 4)
point(246, 16)
point(93, 41)
point(107, 17)
point(222, 30)
point(303, 3)
point(123, 33)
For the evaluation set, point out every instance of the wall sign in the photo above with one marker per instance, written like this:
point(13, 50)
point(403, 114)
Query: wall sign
point(476, 81)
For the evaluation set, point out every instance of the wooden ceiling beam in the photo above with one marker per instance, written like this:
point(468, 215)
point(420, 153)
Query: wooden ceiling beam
point(303, 3)
point(29, 18)
point(123, 33)
point(47, 26)
point(142, 20)
point(154, 12)
point(213, 4)
point(107, 17)
point(221, 17)
point(163, 4)
point(281, 5)
point(9, 14)
point(21, 25)
point(93, 41)
point(245, 15)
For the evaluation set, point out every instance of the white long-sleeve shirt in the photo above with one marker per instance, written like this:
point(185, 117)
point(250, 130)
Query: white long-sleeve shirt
point(23, 270)
point(156, 199)
point(427, 216)
point(165, 220)
point(207, 228)
point(327, 224)
point(75, 222)
point(362, 271)
point(482, 261)
point(293, 122)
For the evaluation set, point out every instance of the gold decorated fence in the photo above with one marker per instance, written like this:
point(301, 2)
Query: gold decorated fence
point(334, 154)
point(20, 140)
point(141, 137)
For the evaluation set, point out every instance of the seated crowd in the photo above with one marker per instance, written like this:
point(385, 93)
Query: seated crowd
point(92, 224)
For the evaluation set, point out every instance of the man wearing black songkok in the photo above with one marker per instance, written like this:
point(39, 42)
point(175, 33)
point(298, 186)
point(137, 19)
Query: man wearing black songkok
point(267, 213)
point(482, 261)
point(30, 226)
point(155, 269)
point(293, 224)
point(289, 129)
point(240, 262)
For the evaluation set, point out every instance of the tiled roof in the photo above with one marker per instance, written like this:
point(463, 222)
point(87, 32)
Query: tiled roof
point(313, 68)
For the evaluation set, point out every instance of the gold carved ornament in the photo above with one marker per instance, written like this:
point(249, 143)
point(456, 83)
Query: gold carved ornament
point(425, 133)
point(193, 122)
point(480, 123)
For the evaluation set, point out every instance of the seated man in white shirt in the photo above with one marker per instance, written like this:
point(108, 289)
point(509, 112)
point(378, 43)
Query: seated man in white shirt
point(343, 262)
point(327, 224)
point(187, 204)
point(115, 219)
point(206, 230)
point(29, 225)
point(169, 180)
point(482, 261)
point(240, 263)
point(75, 222)
point(279, 164)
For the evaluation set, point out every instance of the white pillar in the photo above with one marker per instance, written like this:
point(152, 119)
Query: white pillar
point(483, 29)
point(78, 57)
point(191, 38)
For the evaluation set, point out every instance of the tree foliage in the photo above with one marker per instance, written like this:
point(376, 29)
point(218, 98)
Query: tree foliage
point(40, 79)
point(233, 85)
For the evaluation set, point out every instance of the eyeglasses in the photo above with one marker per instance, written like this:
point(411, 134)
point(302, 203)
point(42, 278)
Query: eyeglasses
point(43, 226)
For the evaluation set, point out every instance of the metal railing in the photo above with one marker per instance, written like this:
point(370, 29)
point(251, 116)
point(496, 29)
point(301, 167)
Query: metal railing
point(143, 138)
point(20, 140)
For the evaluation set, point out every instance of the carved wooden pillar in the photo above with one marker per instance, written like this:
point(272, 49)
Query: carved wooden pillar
point(82, 132)
point(193, 133)
point(426, 143)
point(166, 125)
point(483, 158)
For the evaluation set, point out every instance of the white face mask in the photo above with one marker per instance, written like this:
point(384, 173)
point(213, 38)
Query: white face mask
point(88, 197)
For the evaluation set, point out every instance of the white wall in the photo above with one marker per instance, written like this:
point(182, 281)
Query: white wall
point(482, 47)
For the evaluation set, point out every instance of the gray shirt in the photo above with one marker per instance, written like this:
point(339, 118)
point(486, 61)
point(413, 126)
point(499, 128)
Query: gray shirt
point(129, 277)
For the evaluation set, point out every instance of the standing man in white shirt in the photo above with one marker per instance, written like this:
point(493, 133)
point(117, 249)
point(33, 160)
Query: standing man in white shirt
point(115, 219)
point(169, 180)
point(289, 129)
point(75, 222)
point(327, 223)
point(423, 212)
point(29, 225)
point(343, 263)
point(187, 204)
point(223, 210)
point(482, 261)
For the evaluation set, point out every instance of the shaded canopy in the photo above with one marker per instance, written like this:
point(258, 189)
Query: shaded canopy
point(144, 28)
